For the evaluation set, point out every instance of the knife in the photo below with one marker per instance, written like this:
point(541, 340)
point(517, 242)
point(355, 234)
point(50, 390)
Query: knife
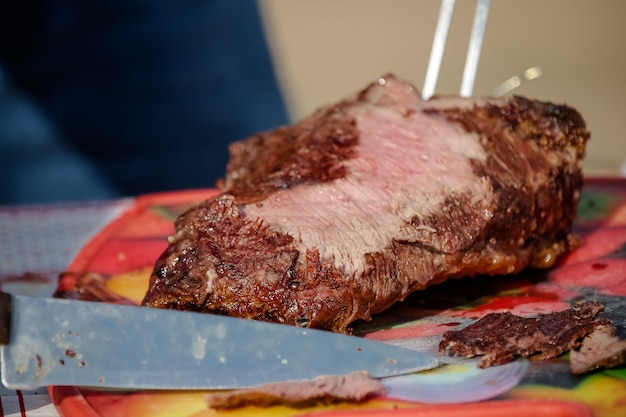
point(49, 341)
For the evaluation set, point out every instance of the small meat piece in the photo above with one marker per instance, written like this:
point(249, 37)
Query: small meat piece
point(501, 337)
point(600, 349)
point(354, 387)
point(341, 215)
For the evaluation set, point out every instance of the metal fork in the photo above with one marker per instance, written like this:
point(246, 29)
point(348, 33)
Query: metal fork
point(473, 52)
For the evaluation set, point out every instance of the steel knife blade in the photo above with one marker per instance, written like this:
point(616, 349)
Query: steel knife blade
point(49, 341)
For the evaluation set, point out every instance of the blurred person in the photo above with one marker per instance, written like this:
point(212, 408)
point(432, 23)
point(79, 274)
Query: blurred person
point(116, 98)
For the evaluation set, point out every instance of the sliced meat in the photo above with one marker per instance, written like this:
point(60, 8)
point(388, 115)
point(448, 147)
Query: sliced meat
point(501, 337)
point(600, 349)
point(354, 387)
point(341, 215)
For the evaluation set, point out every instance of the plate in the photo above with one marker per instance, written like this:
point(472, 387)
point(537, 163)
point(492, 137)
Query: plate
point(115, 267)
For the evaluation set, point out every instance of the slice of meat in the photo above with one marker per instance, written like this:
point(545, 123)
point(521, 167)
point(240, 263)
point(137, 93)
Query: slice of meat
point(341, 215)
point(501, 337)
point(354, 387)
point(600, 349)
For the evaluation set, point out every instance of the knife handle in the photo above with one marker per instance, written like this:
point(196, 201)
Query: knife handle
point(5, 318)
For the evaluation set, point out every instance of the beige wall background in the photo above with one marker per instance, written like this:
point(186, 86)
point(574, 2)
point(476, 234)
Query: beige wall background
point(325, 50)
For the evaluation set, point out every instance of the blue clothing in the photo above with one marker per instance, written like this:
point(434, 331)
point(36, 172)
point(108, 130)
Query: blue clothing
point(131, 96)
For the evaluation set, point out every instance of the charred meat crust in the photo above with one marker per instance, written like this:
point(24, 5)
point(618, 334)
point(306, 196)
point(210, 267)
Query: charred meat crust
point(228, 264)
point(308, 152)
point(538, 194)
point(222, 261)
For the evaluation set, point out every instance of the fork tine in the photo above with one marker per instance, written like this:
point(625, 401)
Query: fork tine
point(475, 45)
point(439, 44)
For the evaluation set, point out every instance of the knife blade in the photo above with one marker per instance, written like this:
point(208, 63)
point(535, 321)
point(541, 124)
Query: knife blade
point(48, 341)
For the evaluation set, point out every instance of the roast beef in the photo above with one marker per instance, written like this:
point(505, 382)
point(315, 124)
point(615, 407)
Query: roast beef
point(348, 211)
point(599, 349)
point(323, 390)
point(502, 337)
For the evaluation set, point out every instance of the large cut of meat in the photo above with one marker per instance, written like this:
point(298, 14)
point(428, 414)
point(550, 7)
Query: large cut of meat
point(343, 214)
